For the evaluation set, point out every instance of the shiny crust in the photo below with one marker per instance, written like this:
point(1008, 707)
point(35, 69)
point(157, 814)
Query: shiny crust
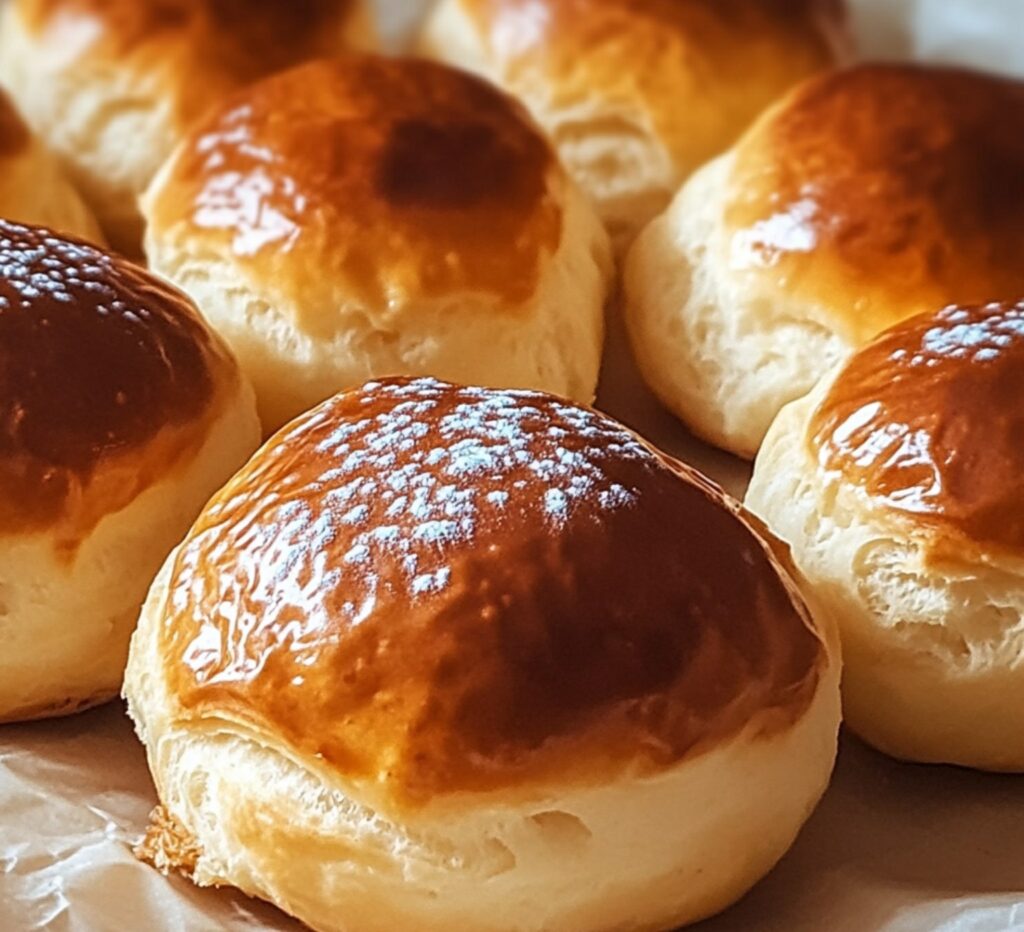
point(431, 590)
point(399, 177)
point(882, 192)
point(232, 42)
point(108, 379)
point(929, 421)
point(14, 134)
point(647, 52)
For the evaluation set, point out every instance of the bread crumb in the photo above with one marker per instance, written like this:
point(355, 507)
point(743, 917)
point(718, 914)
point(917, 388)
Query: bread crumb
point(168, 845)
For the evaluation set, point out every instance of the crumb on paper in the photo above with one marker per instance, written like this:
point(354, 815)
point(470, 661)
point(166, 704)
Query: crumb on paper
point(168, 845)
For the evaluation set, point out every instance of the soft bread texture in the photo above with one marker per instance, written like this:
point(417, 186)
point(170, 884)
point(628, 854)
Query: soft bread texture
point(865, 197)
point(636, 94)
point(898, 483)
point(33, 188)
point(111, 86)
point(121, 414)
point(445, 238)
point(449, 684)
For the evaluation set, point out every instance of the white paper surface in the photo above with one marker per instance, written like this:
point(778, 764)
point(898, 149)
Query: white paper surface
point(892, 847)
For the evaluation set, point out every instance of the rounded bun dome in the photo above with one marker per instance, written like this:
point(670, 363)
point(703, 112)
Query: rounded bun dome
point(483, 622)
point(865, 197)
point(928, 421)
point(637, 94)
point(910, 459)
point(121, 414)
point(111, 85)
point(446, 238)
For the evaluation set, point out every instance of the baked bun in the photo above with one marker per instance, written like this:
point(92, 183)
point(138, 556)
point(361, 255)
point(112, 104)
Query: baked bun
point(454, 658)
point(900, 484)
point(866, 197)
point(636, 94)
point(33, 188)
point(120, 414)
point(111, 85)
point(369, 217)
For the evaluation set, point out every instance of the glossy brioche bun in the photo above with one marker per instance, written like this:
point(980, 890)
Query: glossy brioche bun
point(120, 414)
point(866, 197)
point(111, 85)
point(900, 484)
point(636, 94)
point(33, 188)
point(369, 217)
point(456, 658)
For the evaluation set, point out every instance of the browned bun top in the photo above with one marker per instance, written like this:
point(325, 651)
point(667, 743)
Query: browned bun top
point(436, 589)
point(885, 191)
point(729, 58)
point(559, 28)
point(213, 45)
point(14, 134)
point(390, 176)
point(255, 36)
point(107, 379)
point(929, 420)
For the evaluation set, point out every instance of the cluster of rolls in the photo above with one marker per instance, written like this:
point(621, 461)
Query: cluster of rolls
point(452, 649)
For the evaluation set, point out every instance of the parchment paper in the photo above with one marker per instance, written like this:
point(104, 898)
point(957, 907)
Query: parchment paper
point(892, 847)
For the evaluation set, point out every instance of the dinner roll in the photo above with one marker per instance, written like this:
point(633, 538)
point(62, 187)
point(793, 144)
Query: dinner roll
point(368, 217)
point(866, 197)
point(33, 188)
point(111, 85)
point(636, 94)
point(120, 414)
point(900, 484)
point(454, 658)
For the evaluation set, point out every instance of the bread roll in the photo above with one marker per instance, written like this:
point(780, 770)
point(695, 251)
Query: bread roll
point(120, 414)
point(452, 658)
point(900, 484)
point(636, 94)
point(368, 217)
point(33, 188)
point(866, 197)
point(111, 85)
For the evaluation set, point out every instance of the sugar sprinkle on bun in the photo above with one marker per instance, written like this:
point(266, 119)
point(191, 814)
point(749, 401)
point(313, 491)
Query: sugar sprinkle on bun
point(121, 414)
point(479, 659)
point(900, 483)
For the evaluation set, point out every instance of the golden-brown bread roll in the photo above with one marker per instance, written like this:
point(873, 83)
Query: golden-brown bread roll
point(369, 217)
point(454, 658)
point(899, 483)
point(33, 188)
point(866, 197)
point(111, 85)
point(636, 94)
point(120, 414)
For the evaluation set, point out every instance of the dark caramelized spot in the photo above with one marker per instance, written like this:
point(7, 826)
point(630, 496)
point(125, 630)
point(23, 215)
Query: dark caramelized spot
point(885, 191)
point(398, 176)
point(97, 358)
point(929, 420)
point(14, 134)
point(429, 165)
point(441, 589)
